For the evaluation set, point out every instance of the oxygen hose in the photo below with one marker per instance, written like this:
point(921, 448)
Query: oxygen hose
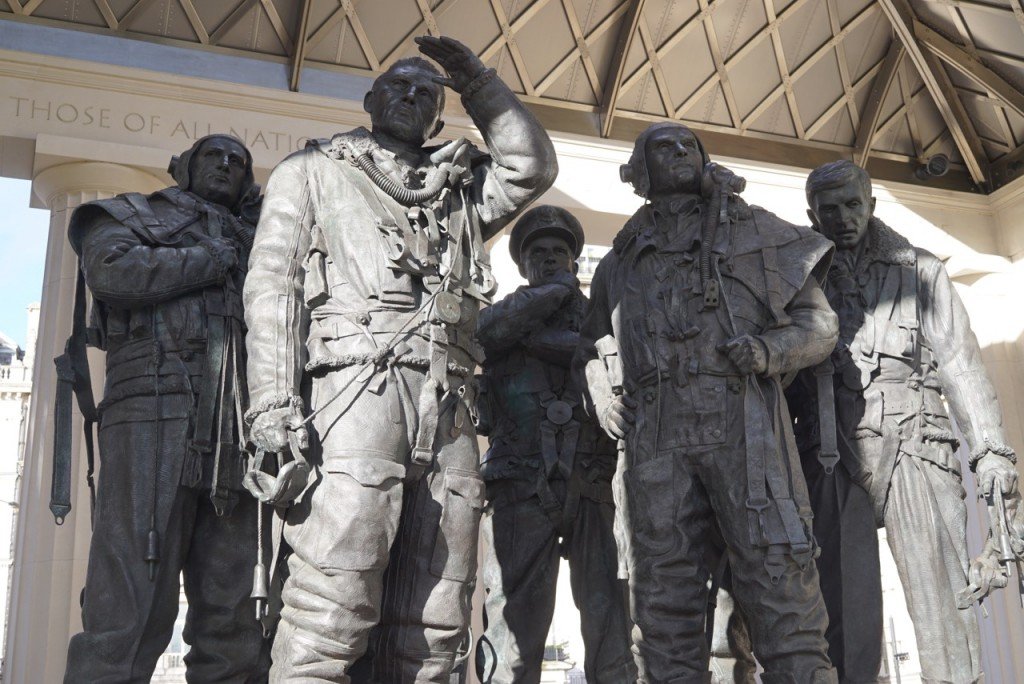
point(436, 180)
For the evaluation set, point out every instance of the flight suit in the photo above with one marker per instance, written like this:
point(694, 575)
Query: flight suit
point(168, 313)
point(363, 309)
point(905, 351)
point(710, 445)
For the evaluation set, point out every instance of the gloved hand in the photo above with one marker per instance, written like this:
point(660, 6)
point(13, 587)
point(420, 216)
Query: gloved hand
point(619, 416)
point(993, 467)
point(747, 353)
point(224, 252)
point(269, 431)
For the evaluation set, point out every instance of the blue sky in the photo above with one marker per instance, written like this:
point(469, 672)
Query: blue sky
point(22, 255)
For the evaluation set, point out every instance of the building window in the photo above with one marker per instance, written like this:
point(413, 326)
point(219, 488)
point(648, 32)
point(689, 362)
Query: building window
point(588, 261)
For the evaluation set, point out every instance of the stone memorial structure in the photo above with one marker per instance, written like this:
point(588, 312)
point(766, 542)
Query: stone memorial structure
point(878, 444)
point(366, 278)
point(700, 307)
point(97, 98)
point(166, 273)
point(548, 470)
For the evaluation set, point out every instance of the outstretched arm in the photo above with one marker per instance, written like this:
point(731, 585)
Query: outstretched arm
point(522, 162)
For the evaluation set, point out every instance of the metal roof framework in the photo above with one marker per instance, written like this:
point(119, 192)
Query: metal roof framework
point(887, 83)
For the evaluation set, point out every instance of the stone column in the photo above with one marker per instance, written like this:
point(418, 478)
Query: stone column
point(50, 561)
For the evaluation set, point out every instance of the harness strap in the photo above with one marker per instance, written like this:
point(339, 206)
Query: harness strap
point(773, 286)
point(73, 377)
point(221, 492)
point(908, 297)
point(206, 409)
point(765, 467)
point(828, 448)
point(434, 384)
point(883, 314)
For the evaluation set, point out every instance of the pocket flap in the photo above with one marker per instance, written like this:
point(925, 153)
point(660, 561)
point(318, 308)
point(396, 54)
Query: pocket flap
point(368, 472)
point(466, 484)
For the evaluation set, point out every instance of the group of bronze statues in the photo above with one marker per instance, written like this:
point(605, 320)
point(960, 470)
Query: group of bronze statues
point(742, 402)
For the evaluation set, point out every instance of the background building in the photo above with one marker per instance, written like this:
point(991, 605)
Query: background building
point(95, 95)
point(15, 400)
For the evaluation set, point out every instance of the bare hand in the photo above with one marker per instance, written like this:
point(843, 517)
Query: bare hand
point(459, 61)
point(270, 430)
point(619, 416)
point(995, 468)
point(747, 353)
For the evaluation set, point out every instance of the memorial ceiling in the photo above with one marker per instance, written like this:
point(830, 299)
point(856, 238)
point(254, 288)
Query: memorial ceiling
point(889, 83)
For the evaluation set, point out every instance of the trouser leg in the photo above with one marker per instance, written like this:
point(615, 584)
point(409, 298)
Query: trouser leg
point(340, 542)
point(849, 571)
point(227, 643)
point(732, 657)
point(600, 596)
point(787, 618)
point(520, 573)
point(926, 524)
point(128, 619)
point(340, 532)
point(669, 517)
point(424, 625)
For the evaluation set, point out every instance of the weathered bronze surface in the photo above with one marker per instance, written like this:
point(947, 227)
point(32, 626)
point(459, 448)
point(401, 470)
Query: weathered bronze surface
point(367, 275)
point(699, 309)
point(905, 344)
point(548, 470)
point(166, 273)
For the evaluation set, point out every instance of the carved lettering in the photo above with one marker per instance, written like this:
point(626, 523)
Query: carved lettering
point(79, 114)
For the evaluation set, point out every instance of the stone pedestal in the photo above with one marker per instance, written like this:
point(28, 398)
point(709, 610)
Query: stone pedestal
point(50, 561)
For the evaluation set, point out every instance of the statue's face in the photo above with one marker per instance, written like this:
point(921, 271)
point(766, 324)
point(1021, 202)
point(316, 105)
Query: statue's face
point(405, 103)
point(842, 214)
point(674, 161)
point(218, 171)
point(544, 257)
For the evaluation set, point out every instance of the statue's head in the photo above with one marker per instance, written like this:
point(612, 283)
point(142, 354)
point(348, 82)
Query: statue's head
point(544, 241)
point(218, 168)
point(667, 158)
point(406, 101)
point(840, 202)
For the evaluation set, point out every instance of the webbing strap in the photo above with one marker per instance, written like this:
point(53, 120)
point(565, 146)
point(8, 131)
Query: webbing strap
point(206, 409)
point(221, 494)
point(908, 297)
point(558, 460)
point(773, 286)
point(72, 376)
point(883, 314)
point(430, 399)
point(755, 435)
point(828, 448)
point(764, 466)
